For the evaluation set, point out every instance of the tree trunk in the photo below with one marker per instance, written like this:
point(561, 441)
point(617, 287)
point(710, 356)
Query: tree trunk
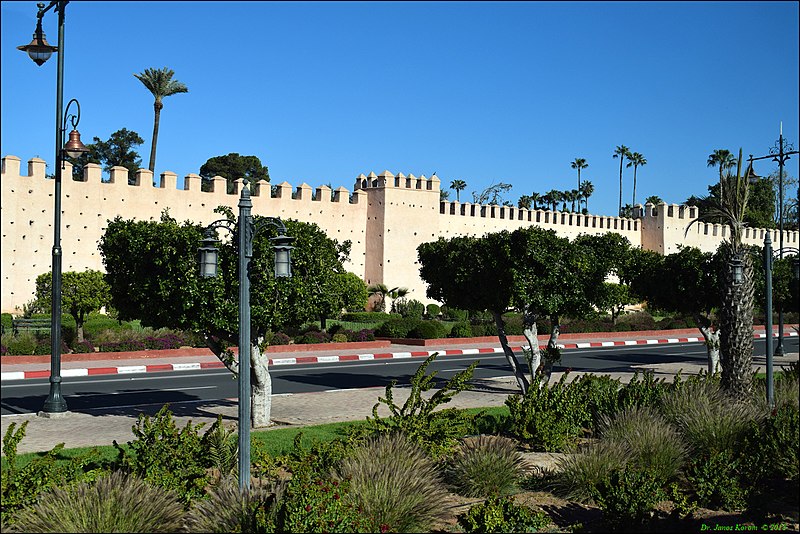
point(634, 187)
point(534, 356)
point(736, 327)
point(621, 157)
point(711, 338)
point(260, 379)
point(522, 382)
point(553, 353)
point(157, 107)
point(260, 388)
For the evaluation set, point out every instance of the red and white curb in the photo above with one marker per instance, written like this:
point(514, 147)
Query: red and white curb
point(135, 369)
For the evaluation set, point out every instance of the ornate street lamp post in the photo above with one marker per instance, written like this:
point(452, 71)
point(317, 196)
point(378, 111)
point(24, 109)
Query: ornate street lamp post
point(40, 51)
point(769, 256)
point(246, 229)
point(779, 153)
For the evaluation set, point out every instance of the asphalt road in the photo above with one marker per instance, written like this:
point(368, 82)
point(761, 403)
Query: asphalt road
point(116, 391)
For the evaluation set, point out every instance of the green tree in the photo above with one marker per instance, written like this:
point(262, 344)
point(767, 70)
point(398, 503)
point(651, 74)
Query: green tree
point(232, 167)
point(152, 270)
point(686, 282)
point(535, 199)
point(525, 202)
point(723, 159)
point(118, 151)
point(656, 200)
point(554, 196)
point(621, 152)
point(636, 160)
point(579, 163)
point(81, 294)
point(458, 186)
point(160, 83)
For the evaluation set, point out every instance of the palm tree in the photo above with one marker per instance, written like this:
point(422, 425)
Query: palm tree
point(587, 189)
point(655, 200)
point(381, 291)
point(736, 310)
point(161, 84)
point(553, 198)
point(579, 163)
point(573, 196)
point(458, 186)
point(723, 159)
point(535, 199)
point(524, 202)
point(637, 160)
point(621, 152)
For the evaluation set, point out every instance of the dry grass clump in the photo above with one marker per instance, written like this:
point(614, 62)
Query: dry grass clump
point(227, 509)
point(485, 466)
point(395, 483)
point(113, 503)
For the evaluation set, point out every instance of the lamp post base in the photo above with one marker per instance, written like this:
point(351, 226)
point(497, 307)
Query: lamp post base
point(779, 351)
point(53, 415)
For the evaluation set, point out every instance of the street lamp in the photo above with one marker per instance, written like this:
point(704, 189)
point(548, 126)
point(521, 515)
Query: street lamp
point(39, 50)
point(779, 153)
point(246, 228)
point(769, 256)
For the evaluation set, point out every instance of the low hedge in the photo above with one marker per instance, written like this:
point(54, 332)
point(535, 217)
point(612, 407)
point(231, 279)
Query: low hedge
point(368, 317)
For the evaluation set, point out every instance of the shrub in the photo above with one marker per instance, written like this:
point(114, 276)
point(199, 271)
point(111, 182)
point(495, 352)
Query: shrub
point(132, 345)
point(339, 338)
point(22, 344)
point(313, 337)
point(485, 466)
point(433, 311)
point(643, 389)
point(655, 447)
point(772, 446)
point(165, 456)
point(428, 330)
point(600, 394)
point(395, 483)
point(366, 317)
point(714, 478)
point(501, 514)
point(7, 321)
point(227, 509)
point(278, 338)
point(436, 431)
point(113, 503)
point(484, 329)
point(315, 504)
point(550, 418)
point(454, 314)
point(628, 497)
point(412, 308)
point(462, 329)
point(397, 327)
point(21, 486)
point(513, 324)
point(578, 474)
point(638, 321)
point(82, 347)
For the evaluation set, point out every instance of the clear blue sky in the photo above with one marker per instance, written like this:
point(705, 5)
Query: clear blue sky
point(485, 92)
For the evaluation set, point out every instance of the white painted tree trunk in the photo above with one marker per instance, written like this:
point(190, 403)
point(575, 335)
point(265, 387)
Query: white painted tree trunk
point(553, 354)
point(260, 388)
point(534, 356)
point(260, 380)
point(711, 338)
point(522, 382)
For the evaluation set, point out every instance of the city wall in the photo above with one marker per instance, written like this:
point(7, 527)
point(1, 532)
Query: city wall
point(386, 217)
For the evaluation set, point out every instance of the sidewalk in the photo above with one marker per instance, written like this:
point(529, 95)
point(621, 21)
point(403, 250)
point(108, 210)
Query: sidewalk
point(102, 426)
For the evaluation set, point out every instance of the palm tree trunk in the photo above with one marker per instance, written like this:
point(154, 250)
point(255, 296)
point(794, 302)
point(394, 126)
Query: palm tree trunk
point(157, 107)
point(633, 203)
point(619, 211)
point(736, 329)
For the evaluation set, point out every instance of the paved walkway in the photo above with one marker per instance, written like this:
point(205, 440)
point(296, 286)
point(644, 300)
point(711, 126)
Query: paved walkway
point(102, 426)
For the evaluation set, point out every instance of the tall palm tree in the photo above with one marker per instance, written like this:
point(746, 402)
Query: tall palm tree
point(621, 152)
point(723, 159)
point(573, 196)
point(458, 186)
point(160, 83)
point(535, 199)
point(587, 189)
point(579, 163)
point(553, 198)
point(636, 160)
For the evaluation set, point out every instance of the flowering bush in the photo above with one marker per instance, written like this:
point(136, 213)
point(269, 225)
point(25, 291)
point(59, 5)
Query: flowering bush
point(83, 347)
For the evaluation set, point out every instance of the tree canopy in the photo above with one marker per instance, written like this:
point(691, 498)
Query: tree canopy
point(118, 151)
point(152, 271)
point(232, 167)
point(81, 294)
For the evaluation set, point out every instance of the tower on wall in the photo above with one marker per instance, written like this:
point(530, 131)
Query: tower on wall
point(402, 213)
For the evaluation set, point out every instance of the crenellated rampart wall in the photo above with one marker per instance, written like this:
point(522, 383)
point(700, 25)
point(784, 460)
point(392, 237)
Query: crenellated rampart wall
point(385, 217)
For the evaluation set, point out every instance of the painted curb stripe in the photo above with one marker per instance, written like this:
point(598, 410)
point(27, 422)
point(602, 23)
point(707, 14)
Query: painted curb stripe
point(132, 369)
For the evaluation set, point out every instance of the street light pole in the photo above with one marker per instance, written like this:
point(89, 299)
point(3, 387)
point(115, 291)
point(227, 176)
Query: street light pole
point(780, 153)
point(246, 229)
point(40, 51)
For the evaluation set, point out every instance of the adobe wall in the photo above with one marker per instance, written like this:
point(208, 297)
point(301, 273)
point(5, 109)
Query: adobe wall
point(386, 218)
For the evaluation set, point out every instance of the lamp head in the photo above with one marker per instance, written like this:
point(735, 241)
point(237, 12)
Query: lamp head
point(208, 254)
point(74, 147)
point(283, 258)
point(39, 50)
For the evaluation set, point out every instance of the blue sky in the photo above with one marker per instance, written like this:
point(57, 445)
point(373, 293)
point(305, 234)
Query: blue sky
point(485, 92)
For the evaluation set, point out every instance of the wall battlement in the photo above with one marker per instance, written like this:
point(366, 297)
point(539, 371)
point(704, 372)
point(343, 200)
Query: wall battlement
point(385, 217)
